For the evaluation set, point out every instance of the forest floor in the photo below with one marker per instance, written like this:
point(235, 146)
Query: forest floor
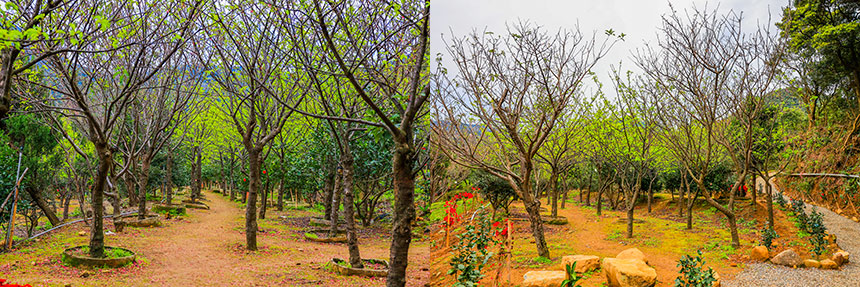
point(206, 248)
point(661, 235)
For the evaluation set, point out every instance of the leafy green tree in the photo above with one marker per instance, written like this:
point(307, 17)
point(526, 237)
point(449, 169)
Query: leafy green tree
point(496, 190)
point(828, 33)
point(38, 143)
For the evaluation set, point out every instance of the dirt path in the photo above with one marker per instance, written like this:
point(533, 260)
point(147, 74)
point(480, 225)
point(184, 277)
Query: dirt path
point(206, 249)
point(848, 237)
point(196, 254)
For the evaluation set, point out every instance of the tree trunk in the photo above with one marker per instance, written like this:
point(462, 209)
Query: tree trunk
point(588, 192)
point(168, 178)
point(337, 194)
point(254, 163)
point(630, 208)
point(769, 191)
point(554, 181)
point(97, 235)
point(404, 209)
point(281, 195)
point(67, 198)
point(43, 205)
point(730, 216)
point(650, 193)
point(328, 189)
point(690, 202)
point(143, 179)
point(7, 59)
point(199, 173)
point(129, 188)
point(564, 196)
point(533, 210)
point(349, 205)
point(265, 204)
point(754, 202)
point(232, 184)
point(683, 192)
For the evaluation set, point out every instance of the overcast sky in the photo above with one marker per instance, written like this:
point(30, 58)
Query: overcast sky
point(638, 19)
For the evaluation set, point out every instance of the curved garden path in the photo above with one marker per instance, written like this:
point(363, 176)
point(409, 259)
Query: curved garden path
point(848, 237)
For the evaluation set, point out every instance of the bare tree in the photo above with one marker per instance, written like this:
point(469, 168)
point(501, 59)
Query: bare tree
point(710, 81)
point(636, 133)
point(510, 91)
point(381, 49)
point(93, 91)
point(254, 81)
point(559, 155)
point(36, 30)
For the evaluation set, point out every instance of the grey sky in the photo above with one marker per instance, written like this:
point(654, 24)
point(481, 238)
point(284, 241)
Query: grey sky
point(638, 19)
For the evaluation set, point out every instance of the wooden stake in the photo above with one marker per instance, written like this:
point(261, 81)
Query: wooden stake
point(14, 203)
point(446, 235)
point(509, 246)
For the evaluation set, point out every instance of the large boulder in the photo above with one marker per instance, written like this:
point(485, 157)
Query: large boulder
point(632, 253)
point(717, 281)
point(628, 272)
point(828, 264)
point(760, 253)
point(787, 258)
point(543, 278)
point(840, 257)
point(584, 263)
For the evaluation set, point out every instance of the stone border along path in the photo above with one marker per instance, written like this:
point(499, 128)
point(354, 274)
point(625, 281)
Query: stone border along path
point(847, 237)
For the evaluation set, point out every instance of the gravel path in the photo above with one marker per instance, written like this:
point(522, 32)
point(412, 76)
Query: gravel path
point(847, 236)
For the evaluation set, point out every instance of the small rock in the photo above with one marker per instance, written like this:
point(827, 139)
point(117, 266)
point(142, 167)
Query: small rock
point(828, 264)
point(760, 253)
point(543, 278)
point(809, 263)
point(855, 219)
point(840, 257)
point(632, 253)
point(787, 258)
point(86, 274)
point(82, 233)
point(584, 263)
point(717, 282)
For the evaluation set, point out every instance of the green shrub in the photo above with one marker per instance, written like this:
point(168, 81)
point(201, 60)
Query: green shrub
point(571, 275)
point(693, 273)
point(768, 235)
point(819, 244)
point(472, 250)
point(780, 200)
